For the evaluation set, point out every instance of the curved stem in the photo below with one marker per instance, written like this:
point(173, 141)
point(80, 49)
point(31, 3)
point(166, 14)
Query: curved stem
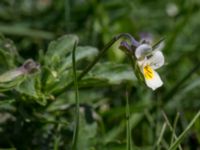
point(98, 57)
point(116, 38)
point(132, 40)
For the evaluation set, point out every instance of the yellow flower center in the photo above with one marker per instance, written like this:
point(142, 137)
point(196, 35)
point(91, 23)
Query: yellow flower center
point(148, 72)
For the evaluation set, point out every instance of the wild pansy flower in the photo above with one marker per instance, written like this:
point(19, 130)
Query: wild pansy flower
point(148, 61)
point(145, 59)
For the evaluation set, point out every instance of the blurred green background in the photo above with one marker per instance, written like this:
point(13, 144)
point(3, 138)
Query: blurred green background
point(37, 109)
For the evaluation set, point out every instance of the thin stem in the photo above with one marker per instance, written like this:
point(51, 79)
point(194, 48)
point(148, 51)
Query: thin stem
point(128, 130)
point(76, 130)
point(174, 127)
point(161, 135)
point(98, 57)
point(132, 40)
point(158, 42)
point(57, 138)
point(89, 67)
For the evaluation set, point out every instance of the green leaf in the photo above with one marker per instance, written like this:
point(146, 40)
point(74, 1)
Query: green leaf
point(57, 78)
point(8, 54)
point(82, 52)
point(28, 88)
point(87, 134)
point(11, 79)
point(59, 48)
point(109, 74)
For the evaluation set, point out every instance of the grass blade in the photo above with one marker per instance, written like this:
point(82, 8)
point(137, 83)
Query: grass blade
point(76, 130)
point(128, 130)
point(180, 138)
point(161, 135)
point(172, 128)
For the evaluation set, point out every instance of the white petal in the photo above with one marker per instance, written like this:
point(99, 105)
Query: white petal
point(152, 78)
point(156, 60)
point(141, 63)
point(142, 50)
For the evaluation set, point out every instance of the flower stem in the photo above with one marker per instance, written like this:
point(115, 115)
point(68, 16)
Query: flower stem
point(76, 129)
point(116, 38)
point(98, 57)
point(128, 128)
